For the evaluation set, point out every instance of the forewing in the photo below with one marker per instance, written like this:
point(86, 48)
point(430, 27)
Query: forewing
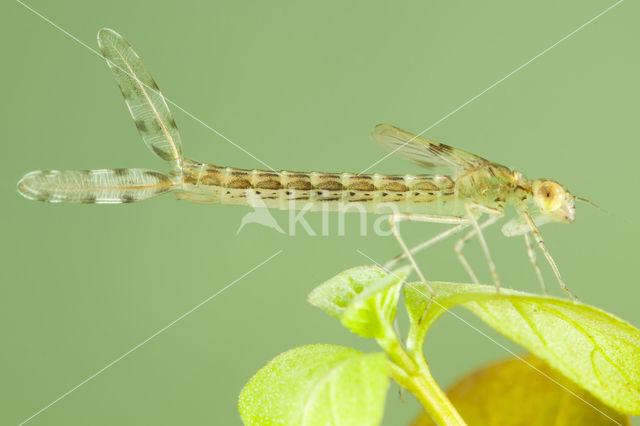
point(146, 103)
point(106, 186)
point(435, 156)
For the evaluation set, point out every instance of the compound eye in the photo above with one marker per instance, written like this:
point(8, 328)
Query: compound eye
point(550, 196)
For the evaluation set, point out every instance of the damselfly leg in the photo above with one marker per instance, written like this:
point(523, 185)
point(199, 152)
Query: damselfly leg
point(394, 219)
point(471, 207)
point(543, 248)
point(532, 258)
point(460, 224)
point(428, 243)
point(459, 246)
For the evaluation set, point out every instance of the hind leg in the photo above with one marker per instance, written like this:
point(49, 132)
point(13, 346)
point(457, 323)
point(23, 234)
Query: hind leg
point(431, 241)
point(394, 219)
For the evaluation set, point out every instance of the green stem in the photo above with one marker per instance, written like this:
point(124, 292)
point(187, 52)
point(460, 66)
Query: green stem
point(433, 399)
point(412, 372)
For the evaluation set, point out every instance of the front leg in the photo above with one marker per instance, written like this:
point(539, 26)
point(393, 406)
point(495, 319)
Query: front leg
point(538, 237)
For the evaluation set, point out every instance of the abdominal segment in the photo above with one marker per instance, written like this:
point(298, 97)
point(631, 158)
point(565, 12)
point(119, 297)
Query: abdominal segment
point(286, 190)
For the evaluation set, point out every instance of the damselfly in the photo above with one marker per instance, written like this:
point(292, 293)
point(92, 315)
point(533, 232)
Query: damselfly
point(459, 189)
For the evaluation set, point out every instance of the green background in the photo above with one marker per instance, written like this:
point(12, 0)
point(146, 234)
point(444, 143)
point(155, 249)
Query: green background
point(299, 85)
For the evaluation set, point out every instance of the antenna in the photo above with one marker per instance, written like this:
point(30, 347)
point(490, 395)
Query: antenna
point(591, 203)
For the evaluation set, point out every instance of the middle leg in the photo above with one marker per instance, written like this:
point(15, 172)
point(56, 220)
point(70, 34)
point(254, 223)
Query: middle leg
point(532, 258)
point(459, 245)
point(471, 207)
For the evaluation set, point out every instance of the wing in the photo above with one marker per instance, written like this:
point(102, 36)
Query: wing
point(435, 156)
point(106, 186)
point(146, 103)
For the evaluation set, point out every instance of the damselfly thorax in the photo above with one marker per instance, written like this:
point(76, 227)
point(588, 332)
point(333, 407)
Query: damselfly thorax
point(458, 189)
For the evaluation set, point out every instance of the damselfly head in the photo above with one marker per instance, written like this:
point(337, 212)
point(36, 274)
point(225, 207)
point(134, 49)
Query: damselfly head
point(554, 200)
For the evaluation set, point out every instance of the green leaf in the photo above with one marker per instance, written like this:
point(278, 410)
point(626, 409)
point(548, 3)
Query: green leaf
point(317, 385)
point(511, 392)
point(365, 299)
point(335, 294)
point(371, 314)
point(596, 350)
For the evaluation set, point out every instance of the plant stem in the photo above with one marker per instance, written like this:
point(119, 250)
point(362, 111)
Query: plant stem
point(412, 372)
point(433, 399)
